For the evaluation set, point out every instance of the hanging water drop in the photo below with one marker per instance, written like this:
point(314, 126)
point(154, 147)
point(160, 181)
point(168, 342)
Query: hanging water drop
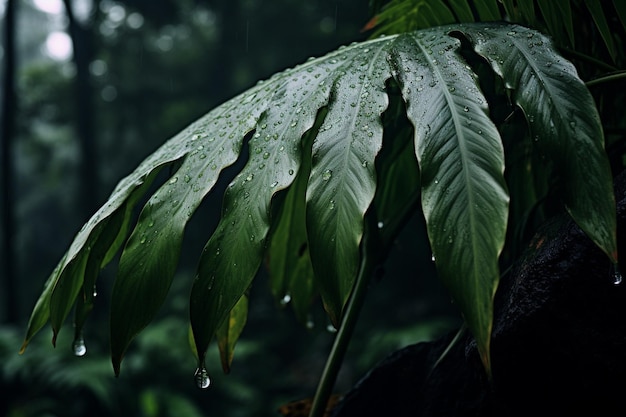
point(202, 378)
point(616, 275)
point(78, 346)
point(285, 300)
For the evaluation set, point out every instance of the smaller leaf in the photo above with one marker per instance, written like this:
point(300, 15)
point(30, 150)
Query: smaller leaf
point(462, 11)
point(620, 9)
point(98, 253)
point(289, 263)
point(487, 10)
point(229, 331)
point(528, 12)
point(597, 13)
point(401, 16)
point(288, 260)
point(550, 12)
point(565, 11)
point(399, 173)
point(81, 273)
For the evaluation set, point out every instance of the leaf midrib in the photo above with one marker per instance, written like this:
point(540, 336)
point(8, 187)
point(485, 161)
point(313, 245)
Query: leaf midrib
point(461, 146)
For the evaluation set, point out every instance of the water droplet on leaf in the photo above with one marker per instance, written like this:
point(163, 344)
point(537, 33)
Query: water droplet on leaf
point(326, 175)
point(202, 378)
point(285, 300)
point(616, 275)
point(78, 346)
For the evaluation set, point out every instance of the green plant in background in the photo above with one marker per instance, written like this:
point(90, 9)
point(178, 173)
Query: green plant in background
point(341, 151)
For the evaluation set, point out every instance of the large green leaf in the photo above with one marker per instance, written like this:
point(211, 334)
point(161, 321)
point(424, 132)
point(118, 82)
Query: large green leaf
point(342, 181)
point(461, 159)
point(563, 122)
point(313, 135)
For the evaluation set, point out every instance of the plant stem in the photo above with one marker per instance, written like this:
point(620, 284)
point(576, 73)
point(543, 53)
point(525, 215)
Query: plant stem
point(584, 57)
point(620, 75)
point(348, 323)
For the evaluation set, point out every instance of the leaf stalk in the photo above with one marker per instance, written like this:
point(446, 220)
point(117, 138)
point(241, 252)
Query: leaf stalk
point(369, 260)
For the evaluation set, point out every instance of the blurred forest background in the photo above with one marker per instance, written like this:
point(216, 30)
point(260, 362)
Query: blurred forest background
point(98, 85)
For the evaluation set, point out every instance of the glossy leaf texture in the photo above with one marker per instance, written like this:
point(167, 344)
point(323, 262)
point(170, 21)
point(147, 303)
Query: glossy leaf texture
point(229, 331)
point(563, 122)
point(461, 160)
point(314, 135)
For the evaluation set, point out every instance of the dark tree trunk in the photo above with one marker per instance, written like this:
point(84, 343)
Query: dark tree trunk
point(82, 42)
point(558, 347)
point(7, 202)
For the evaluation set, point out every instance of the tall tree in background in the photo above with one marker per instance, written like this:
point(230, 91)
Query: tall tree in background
point(82, 42)
point(6, 165)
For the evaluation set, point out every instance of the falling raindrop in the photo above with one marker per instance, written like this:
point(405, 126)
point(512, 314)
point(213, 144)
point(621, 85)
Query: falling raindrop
point(202, 377)
point(381, 225)
point(616, 275)
point(78, 346)
point(285, 300)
